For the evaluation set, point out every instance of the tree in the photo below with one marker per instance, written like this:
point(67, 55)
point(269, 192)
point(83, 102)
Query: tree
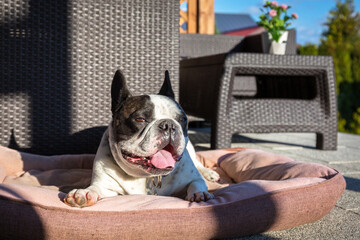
point(341, 40)
point(308, 49)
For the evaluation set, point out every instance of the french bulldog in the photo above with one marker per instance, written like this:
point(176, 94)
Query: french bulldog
point(145, 150)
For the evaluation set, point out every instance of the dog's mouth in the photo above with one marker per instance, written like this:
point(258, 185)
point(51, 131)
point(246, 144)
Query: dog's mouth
point(162, 161)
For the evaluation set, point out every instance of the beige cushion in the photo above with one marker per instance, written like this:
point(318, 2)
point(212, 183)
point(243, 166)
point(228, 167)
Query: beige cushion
point(258, 192)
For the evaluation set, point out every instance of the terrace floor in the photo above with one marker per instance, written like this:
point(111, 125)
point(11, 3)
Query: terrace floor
point(343, 222)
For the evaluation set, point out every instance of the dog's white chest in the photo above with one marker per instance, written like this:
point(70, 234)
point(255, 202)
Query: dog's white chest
point(148, 186)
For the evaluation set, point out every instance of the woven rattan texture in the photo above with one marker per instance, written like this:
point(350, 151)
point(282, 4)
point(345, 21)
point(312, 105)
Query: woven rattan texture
point(271, 115)
point(233, 115)
point(58, 59)
point(291, 45)
point(199, 45)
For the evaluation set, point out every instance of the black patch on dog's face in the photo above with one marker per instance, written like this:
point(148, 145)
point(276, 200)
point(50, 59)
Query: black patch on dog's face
point(132, 118)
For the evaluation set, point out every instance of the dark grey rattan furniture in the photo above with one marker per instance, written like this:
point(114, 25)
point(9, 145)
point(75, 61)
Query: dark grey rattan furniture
point(199, 45)
point(292, 94)
point(58, 59)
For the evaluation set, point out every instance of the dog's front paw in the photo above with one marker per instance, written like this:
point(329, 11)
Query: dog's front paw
point(199, 197)
point(81, 198)
point(209, 175)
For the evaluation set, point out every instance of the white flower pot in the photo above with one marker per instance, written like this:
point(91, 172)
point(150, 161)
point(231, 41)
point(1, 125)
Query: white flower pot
point(279, 47)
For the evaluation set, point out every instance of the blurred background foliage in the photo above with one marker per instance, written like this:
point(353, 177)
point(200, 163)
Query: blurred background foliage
point(341, 40)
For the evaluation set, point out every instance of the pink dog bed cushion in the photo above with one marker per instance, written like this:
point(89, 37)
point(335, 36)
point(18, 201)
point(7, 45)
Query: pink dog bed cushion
point(258, 192)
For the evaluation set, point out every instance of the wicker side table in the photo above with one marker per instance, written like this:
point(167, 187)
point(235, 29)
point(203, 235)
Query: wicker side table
point(293, 94)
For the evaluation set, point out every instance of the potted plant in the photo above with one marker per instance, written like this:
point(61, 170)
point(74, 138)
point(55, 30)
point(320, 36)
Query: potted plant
point(275, 20)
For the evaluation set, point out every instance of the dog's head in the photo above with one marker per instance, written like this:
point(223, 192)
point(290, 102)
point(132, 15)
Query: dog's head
point(148, 133)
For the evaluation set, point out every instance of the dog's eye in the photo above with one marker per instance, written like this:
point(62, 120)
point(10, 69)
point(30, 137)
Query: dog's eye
point(182, 119)
point(140, 119)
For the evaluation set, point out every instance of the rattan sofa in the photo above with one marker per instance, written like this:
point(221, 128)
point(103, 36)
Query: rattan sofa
point(58, 59)
point(259, 93)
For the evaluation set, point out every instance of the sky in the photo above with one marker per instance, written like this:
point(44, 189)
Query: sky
point(309, 25)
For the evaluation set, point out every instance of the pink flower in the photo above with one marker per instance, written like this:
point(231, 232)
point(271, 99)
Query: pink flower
point(272, 13)
point(284, 6)
point(294, 15)
point(274, 3)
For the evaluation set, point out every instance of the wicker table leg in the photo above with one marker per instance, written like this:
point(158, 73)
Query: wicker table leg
point(326, 141)
point(220, 137)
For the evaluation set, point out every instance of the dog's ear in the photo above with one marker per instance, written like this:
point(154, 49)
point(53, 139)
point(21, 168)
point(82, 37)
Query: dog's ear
point(166, 88)
point(119, 91)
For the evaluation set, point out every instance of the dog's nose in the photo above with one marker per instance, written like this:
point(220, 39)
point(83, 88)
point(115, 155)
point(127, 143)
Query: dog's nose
point(166, 125)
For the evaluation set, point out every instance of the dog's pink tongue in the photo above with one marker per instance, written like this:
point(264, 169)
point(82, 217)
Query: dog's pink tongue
point(163, 159)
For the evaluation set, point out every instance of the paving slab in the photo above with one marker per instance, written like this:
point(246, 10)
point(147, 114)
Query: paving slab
point(346, 168)
point(338, 224)
point(341, 155)
point(307, 140)
point(350, 200)
point(350, 140)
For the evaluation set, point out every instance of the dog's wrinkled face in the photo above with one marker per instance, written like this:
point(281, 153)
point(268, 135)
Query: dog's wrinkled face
point(149, 132)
